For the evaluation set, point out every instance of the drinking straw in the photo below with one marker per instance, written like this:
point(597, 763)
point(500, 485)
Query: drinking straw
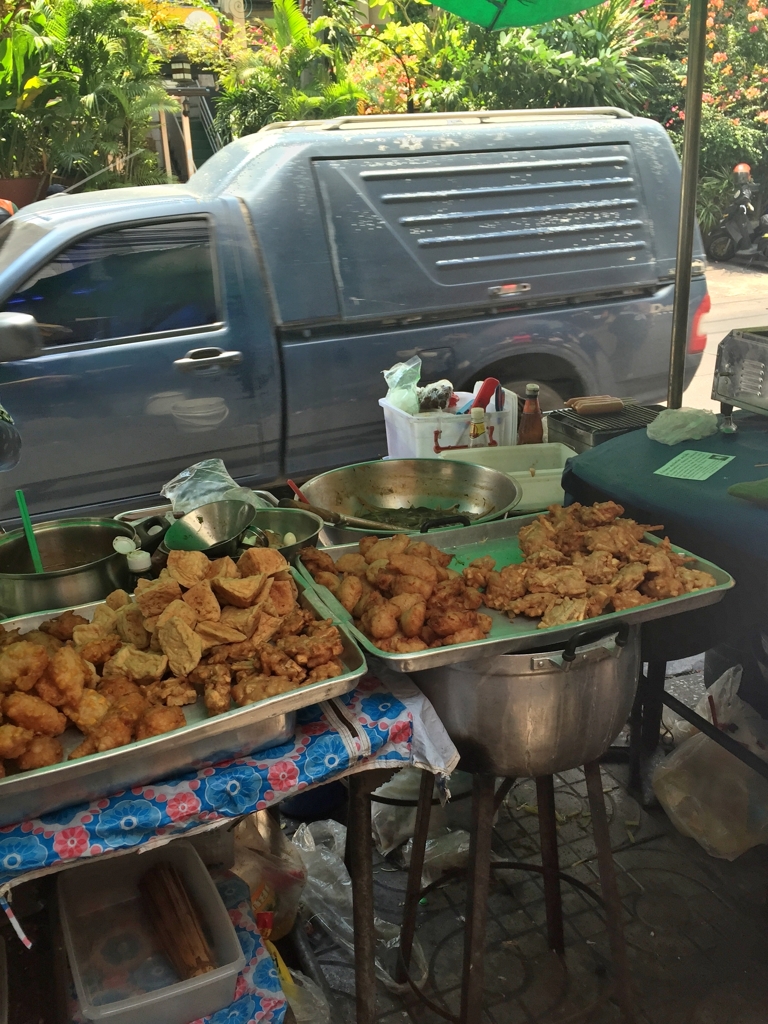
point(33, 548)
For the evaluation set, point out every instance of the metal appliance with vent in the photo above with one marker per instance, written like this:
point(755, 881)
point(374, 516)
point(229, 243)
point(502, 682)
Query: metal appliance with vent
point(741, 374)
point(584, 432)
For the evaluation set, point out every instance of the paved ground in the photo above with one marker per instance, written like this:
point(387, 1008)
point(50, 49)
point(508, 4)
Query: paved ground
point(739, 299)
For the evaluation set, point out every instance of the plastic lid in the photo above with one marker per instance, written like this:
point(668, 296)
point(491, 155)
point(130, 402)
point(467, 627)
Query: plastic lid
point(477, 415)
point(531, 389)
point(124, 545)
point(139, 561)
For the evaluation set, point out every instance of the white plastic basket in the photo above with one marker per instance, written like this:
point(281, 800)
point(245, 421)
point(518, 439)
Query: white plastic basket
point(430, 433)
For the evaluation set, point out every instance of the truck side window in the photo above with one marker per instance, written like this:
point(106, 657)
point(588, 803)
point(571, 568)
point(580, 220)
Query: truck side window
point(124, 283)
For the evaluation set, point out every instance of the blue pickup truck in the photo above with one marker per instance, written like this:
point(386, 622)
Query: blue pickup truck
point(248, 314)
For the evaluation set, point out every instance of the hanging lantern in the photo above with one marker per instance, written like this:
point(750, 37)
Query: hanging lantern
point(181, 70)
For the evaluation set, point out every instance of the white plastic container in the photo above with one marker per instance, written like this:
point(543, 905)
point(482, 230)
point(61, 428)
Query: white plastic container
point(537, 468)
point(113, 952)
point(430, 433)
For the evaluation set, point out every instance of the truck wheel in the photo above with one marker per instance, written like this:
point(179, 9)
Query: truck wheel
point(556, 378)
point(721, 247)
point(549, 397)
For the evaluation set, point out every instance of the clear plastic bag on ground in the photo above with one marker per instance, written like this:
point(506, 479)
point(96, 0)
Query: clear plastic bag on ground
point(328, 897)
point(205, 482)
point(392, 826)
point(307, 1000)
point(402, 381)
point(271, 867)
point(672, 426)
point(744, 724)
point(444, 851)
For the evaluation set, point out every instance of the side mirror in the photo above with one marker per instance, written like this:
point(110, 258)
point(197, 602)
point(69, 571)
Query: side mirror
point(20, 337)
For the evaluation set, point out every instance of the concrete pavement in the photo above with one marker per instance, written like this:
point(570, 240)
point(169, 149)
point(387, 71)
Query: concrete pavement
point(739, 299)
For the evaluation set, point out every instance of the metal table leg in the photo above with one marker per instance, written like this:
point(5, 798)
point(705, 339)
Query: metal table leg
point(652, 690)
point(413, 890)
point(545, 792)
point(478, 885)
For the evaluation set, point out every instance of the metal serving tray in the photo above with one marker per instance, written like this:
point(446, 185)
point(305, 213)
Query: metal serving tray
point(203, 741)
point(499, 540)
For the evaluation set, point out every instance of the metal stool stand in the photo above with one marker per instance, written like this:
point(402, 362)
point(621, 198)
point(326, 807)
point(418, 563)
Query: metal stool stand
point(486, 801)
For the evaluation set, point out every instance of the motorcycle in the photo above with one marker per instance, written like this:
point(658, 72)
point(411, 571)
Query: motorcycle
point(742, 234)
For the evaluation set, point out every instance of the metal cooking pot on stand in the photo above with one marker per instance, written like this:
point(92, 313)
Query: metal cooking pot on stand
point(540, 712)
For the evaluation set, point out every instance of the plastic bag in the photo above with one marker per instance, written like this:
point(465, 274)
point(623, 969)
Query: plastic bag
point(204, 482)
point(672, 426)
point(743, 722)
point(307, 1000)
point(328, 897)
point(393, 825)
point(402, 380)
point(444, 851)
point(272, 868)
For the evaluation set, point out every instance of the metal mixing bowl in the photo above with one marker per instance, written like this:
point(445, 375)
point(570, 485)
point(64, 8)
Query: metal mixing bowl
point(305, 526)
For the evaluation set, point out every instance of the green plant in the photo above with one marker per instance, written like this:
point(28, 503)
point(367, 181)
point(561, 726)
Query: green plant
point(714, 194)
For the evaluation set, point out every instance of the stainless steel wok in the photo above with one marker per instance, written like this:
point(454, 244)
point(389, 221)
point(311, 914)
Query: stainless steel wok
point(452, 489)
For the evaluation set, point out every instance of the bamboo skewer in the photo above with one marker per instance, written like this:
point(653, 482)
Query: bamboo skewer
point(176, 922)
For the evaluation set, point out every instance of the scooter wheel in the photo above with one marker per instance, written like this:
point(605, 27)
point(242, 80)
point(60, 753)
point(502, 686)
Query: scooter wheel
point(721, 247)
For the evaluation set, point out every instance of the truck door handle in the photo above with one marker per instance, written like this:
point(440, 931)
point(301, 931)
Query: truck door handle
point(198, 358)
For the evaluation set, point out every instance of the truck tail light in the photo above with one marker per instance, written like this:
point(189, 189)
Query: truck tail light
point(698, 339)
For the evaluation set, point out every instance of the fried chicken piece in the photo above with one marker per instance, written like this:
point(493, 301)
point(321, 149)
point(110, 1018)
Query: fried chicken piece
point(157, 595)
point(411, 565)
point(116, 687)
point(352, 563)
point(532, 605)
point(139, 666)
point(476, 573)
point(116, 727)
point(386, 547)
point(261, 562)
point(14, 741)
point(98, 652)
point(327, 579)
point(131, 627)
point(21, 665)
point(89, 710)
point(311, 651)
point(446, 623)
point(536, 535)
point(158, 720)
point(422, 549)
point(599, 597)
point(628, 599)
point(379, 621)
point(41, 752)
point(464, 636)
point(282, 598)
point(88, 746)
point(505, 587)
point(412, 613)
point(695, 579)
point(172, 693)
point(49, 643)
point(599, 514)
point(350, 591)
point(546, 558)
point(330, 670)
point(223, 567)
point(317, 561)
point(31, 712)
point(64, 679)
point(254, 688)
point(598, 567)
point(629, 577)
point(8, 636)
point(181, 644)
point(277, 663)
point(117, 599)
point(241, 593)
point(569, 609)
point(294, 622)
point(399, 644)
point(564, 580)
point(659, 588)
point(61, 627)
point(187, 567)
point(412, 585)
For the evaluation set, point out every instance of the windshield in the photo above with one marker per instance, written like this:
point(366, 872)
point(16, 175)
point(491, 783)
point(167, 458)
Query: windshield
point(16, 236)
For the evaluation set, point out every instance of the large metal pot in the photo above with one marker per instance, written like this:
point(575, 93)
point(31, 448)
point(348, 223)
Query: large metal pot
point(540, 712)
point(481, 493)
point(81, 565)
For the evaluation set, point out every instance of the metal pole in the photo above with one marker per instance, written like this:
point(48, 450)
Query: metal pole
point(187, 134)
point(166, 146)
point(696, 55)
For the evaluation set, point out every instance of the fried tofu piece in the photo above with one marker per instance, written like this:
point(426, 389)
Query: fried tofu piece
point(105, 617)
point(629, 599)
point(90, 633)
point(158, 720)
point(282, 598)
point(183, 646)
point(203, 603)
point(243, 620)
point(277, 663)
point(173, 693)
point(352, 563)
point(62, 626)
point(98, 652)
point(317, 561)
point(187, 567)
point(117, 599)
point(21, 665)
point(32, 713)
point(385, 547)
point(476, 573)
point(157, 595)
point(224, 568)
point(14, 741)
point(241, 593)
point(568, 609)
point(505, 587)
point(257, 687)
point(695, 579)
point(131, 627)
point(533, 606)
point(138, 666)
point(349, 593)
point(266, 629)
point(41, 752)
point(64, 679)
point(89, 711)
point(261, 562)
point(49, 643)
point(214, 633)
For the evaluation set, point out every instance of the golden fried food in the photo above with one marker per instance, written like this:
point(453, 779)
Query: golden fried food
point(177, 610)
point(241, 593)
point(14, 741)
point(533, 606)
point(8, 636)
point(599, 596)
point(187, 567)
point(139, 666)
point(352, 563)
point(377, 574)
point(350, 591)
point(245, 620)
point(564, 580)
point(261, 561)
point(412, 585)
point(155, 596)
point(158, 720)
point(63, 679)
point(330, 670)
point(476, 573)
point(659, 588)
point(118, 599)
point(31, 712)
point(464, 636)
point(254, 688)
point(318, 561)
point(203, 603)
point(41, 752)
point(421, 549)
point(399, 644)
point(328, 579)
point(411, 565)
point(379, 620)
point(277, 663)
point(217, 697)
point(21, 665)
point(173, 692)
point(695, 579)
point(105, 617)
point(89, 711)
point(223, 567)
point(506, 586)
point(181, 644)
point(131, 627)
point(116, 687)
point(413, 613)
point(629, 577)
point(548, 557)
point(598, 567)
point(214, 633)
point(281, 597)
point(45, 640)
point(536, 535)
point(446, 623)
point(295, 622)
point(98, 652)
point(600, 513)
point(311, 651)
point(567, 609)
point(88, 634)
point(61, 627)
point(629, 599)
point(385, 547)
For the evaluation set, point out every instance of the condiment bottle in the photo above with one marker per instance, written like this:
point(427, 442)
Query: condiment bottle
point(531, 429)
point(478, 438)
point(140, 566)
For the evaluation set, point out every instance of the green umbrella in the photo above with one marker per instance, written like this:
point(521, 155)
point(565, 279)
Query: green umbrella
point(508, 13)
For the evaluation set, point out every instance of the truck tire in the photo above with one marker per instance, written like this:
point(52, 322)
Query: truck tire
point(557, 380)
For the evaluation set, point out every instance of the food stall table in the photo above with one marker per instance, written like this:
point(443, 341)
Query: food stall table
point(698, 515)
point(368, 729)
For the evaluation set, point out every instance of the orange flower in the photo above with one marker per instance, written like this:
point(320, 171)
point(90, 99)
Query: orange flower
point(719, 57)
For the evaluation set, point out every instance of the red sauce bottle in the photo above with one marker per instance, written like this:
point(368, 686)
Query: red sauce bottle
point(531, 430)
